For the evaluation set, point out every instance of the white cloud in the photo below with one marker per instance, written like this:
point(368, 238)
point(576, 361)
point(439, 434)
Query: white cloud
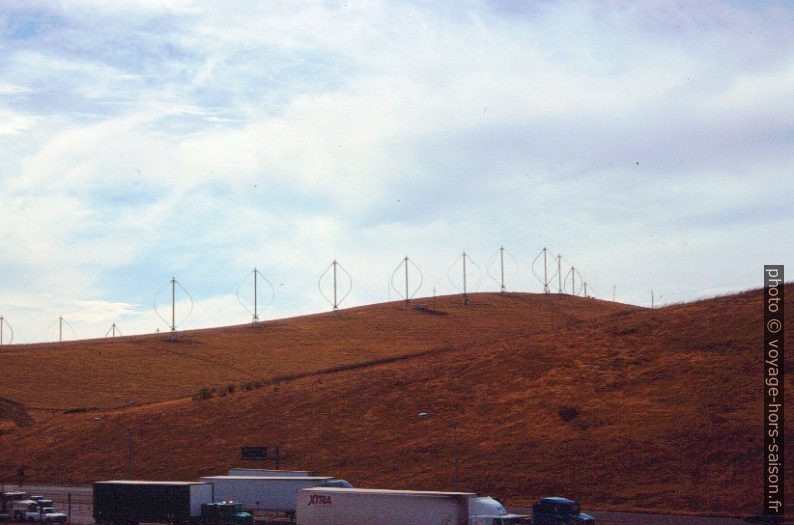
point(199, 140)
point(13, 123)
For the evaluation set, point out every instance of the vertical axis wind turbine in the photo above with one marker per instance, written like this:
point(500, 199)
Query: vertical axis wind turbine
point(465, 295)
point(255, 312)
point(405, 263)
point(545, 280)
point(504, 279)
point(466, 259)
point(112, 331)
point(256, 315)
point(335, 301)
point(502, 288)
point(4, 321)
point(559, 273)
point(545, 273)
point(172, 324)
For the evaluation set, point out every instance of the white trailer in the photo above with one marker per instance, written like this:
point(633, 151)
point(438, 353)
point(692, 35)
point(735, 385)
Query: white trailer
point(269, 473)
point(258, 493)
point(335, 506)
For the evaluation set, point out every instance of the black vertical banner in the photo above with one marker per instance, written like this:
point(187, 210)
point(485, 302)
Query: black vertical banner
point(773, 391)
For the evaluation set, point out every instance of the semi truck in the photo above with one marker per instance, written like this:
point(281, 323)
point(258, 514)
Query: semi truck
point(338, 506)
point(24, 510)
point(559, 511)
point(131, 502)
point(6, 501)
point(265, 494)
point(271, 473)
point(225, 513)
point(35, 510)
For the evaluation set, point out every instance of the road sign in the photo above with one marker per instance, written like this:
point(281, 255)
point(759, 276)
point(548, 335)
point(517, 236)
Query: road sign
point(254, 453)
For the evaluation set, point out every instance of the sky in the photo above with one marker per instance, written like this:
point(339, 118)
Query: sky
point(649, 144)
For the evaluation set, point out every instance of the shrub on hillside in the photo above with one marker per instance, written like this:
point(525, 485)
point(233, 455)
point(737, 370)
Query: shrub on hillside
point(568, 413)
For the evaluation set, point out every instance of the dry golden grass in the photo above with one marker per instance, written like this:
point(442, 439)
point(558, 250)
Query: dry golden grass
point(619, 407)
point(143, 369)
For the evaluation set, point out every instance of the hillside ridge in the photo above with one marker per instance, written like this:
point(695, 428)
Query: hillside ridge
point(625, 409)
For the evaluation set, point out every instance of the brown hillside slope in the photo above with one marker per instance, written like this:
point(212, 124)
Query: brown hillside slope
point(636, 410)
point(111, 372)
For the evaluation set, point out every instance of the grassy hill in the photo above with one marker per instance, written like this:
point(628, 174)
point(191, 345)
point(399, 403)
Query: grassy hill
point(107, 373)
point(619, 407)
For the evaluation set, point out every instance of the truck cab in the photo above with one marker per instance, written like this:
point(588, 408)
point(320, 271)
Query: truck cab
point(559, 511)
point(484, 510)
point(49, 515)
point(225, 513)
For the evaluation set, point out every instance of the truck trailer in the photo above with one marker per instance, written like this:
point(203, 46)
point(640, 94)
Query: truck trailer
point(269, 473)
point(337, 506)
point(132, 502)
point(258, 493)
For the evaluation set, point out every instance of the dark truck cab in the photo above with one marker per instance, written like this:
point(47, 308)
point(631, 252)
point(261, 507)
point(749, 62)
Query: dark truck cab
point(559, 511)
point(225, 513)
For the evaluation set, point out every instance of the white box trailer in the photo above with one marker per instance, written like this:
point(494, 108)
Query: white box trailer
point(335, 506)
point(269, 473)
point(258, 493)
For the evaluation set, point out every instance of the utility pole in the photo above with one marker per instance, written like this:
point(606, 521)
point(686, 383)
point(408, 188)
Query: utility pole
point(1, 330)
point(60, 329)
point(613, 292)
point(585, 288)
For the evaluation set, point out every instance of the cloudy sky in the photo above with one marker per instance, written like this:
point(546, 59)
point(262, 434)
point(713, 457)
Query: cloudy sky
point(649, 143)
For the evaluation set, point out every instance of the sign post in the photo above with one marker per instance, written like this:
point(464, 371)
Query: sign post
point(260, 454)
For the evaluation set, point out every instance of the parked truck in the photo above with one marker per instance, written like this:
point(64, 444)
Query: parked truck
point(132, 502)
point(24, 510)
point(267, 473)
point(267, 494)
point(49, 516)
point(559, 511)
point(6, 501)
point(338, 506)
